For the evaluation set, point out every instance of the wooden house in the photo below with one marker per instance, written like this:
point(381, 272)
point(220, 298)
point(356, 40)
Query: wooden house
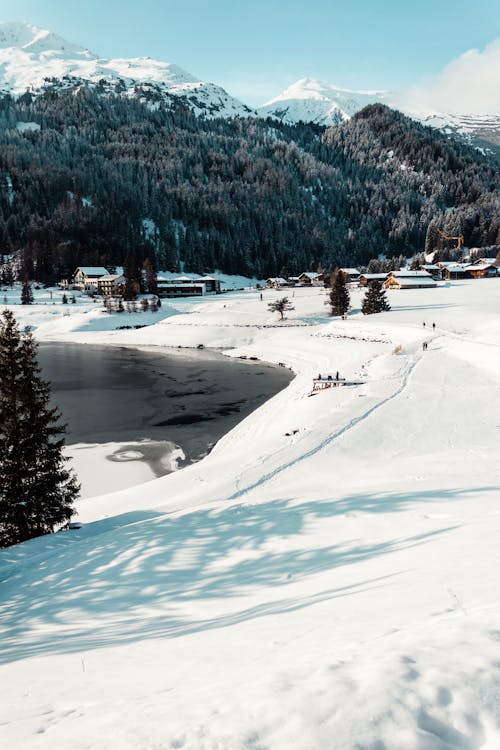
point(310, 278)
point(351, 273)
point(276, 282)
point(453, 271)
point(367, 278)
point(481, 270)
point(409, 280)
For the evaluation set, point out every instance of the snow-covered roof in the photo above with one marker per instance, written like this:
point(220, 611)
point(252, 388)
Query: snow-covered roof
point(276, 280)
point(412, 282)
point(92, 270)
point(310, 275)
point(430, 267)
point(112, 277)
point(351, 271)
point(409, 274)
point(373, 276)
point(479, 266)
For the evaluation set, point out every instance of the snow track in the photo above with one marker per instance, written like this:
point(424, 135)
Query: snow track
point(331, 438)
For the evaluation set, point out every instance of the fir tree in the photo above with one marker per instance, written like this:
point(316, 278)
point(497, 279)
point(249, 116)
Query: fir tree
point(375, 300)
point(26, 293)
point(133, 275)
point(36, 490)
point(339, 299)
point(150, 277)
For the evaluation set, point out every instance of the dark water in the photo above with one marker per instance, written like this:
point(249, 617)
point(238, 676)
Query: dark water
point(115, 394)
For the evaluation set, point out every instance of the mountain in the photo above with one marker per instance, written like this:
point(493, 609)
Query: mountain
point(35, 59)
point(310, 100)
point(87, 179)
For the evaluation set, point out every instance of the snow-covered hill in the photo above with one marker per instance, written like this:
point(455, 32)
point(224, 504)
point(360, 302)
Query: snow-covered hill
point(310, 100)
point(34, 59)
point(327, 577)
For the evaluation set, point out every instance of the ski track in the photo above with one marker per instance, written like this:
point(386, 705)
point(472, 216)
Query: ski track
point(330, 439)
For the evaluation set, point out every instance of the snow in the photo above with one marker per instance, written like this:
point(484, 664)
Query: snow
point(311, 100)
point(32, 58)
point(333, 587)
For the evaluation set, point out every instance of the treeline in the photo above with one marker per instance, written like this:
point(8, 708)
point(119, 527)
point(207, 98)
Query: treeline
point(105, 176)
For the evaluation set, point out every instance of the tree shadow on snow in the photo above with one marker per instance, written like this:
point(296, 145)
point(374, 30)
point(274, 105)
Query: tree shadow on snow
point(133, 577)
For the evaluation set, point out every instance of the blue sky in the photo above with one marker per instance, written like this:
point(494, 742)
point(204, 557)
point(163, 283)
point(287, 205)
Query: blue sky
point(258, 47)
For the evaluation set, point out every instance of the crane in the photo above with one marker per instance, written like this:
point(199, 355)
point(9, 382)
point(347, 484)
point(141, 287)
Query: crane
point(459, 238)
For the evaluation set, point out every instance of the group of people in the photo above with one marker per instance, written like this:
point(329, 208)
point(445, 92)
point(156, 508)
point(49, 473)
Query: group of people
point(425, 344)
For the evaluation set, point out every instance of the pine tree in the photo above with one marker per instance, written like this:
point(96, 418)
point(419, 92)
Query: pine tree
point(375, 300)
point(36, 490)
point(339, 299)
point(26, 293)
point(133, 276)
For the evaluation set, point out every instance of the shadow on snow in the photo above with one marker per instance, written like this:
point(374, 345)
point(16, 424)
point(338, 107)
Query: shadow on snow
point(129, 578)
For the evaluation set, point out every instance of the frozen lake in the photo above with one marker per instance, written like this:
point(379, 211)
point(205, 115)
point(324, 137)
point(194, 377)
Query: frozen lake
point(150, 401)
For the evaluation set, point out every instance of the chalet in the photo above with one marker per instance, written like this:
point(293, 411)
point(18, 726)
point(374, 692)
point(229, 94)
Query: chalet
point(409, 280)
point(110, 285)
point(481, 270)
point(87, 277)
point(431, 268)
point(276, 282)
point(352, 273)
point(367, 278)
point(453, 271)
point(310, 278)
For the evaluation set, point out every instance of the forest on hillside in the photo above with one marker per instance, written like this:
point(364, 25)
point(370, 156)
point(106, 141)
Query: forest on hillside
point(106, 175)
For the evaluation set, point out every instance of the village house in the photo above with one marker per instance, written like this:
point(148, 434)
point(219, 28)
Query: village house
point(111, 285)
point(352, 273)
point(453, 271)
point(276, 282)
point(481, 270)
point(310, 278)
point(431, 268)
point(87, 277)
point(367, 278)
point(409, 280)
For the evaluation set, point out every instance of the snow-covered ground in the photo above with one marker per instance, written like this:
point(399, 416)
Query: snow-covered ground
point(327, 577)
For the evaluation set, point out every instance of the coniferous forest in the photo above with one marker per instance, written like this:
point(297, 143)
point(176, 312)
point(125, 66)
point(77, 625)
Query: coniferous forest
point(104, 176)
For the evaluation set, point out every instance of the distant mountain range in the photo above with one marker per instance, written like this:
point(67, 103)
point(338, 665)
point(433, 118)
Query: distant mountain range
point(32, 59)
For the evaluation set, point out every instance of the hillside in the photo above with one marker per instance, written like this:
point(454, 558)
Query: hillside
point(327, 577)
point(88, 176)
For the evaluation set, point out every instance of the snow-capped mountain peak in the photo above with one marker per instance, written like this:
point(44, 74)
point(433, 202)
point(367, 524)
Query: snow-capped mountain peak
point(36, 41)
point(35, 59)
point(311, 100)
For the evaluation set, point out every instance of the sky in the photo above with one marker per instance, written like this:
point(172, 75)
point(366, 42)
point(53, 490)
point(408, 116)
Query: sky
point(257, 48)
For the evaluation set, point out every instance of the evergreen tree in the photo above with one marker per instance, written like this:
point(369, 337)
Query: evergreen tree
point(26, 293)
point(375, 300)
point(133, 275)
point(150, 278)
point(339, 299)
point(36, 490)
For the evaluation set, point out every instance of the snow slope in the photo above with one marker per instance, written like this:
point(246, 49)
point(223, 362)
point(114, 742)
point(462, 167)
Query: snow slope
point(326, 578)
point(310, 100)
point(33, 58)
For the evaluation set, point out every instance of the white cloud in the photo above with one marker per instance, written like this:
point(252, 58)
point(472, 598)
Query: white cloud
point(468, 84)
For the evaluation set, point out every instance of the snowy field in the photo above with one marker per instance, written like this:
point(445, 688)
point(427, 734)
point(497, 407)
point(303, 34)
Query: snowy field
point(326, 578)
